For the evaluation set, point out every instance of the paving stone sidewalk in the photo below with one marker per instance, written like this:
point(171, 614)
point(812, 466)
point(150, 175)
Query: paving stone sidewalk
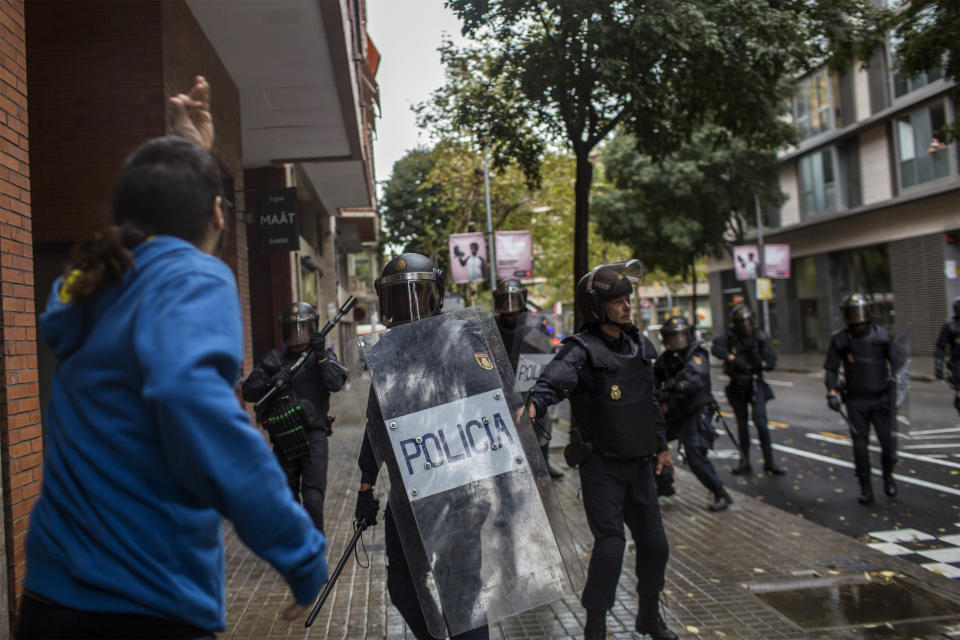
point(713, 558)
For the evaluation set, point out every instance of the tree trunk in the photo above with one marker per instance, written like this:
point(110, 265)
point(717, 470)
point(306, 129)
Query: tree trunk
point(581, 224)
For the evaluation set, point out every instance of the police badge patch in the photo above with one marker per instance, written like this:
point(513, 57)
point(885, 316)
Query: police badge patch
point(615, 393)
point(697, 360)
point(484, 361)
point(401, 264)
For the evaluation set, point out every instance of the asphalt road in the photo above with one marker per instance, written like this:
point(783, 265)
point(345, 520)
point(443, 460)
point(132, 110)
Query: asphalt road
point(813, 445)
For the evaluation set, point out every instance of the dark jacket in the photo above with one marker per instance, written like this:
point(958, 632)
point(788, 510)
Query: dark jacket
point(683, 382)
point(865, 361)
point(752, 355)
point(949, 341)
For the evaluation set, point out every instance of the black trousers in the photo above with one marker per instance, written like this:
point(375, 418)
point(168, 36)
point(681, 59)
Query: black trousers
point(307, 476)
point(403, 592)
point(739, 399)
point(617, 492)
point(41, 618)
point(876, 410)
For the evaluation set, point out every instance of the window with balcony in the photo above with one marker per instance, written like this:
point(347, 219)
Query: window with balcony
point(920, 158)
point(818, 183)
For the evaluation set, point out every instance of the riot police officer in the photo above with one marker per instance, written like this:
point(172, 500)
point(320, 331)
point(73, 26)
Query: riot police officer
point(949, 339)
point(523, 335)
point(296, 419)
point(683, 386)
point(746, 353)
point(865, 351)
point(619, 442)
point(409, 288)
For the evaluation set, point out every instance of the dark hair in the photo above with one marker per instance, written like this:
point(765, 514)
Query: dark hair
point(168, 186)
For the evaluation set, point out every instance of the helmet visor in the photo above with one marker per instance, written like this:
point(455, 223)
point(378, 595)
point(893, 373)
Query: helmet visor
point(607, 276)
point(856, 313)
point(406, 300)
point(509, 300)
point(743, 325)
point(298, 332)
point(675, 341)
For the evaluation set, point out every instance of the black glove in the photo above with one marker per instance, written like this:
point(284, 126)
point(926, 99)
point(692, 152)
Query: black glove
point(833, 402)
point(280, 378)
point(939, 373)
point(319, 345)
point(367, 508)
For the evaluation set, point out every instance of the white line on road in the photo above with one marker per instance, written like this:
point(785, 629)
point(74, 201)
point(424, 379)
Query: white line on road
point(956, 445)
point(780, 383)
point(903, 454)
point(920, 433)
point(876, 472)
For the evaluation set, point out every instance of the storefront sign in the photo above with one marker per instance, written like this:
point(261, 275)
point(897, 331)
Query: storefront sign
point(279, 219)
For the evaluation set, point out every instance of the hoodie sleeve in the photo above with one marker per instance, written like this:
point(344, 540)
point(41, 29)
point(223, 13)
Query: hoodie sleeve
point(189, 344)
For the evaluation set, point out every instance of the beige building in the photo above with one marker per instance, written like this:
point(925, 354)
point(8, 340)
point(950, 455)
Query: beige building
point(873, 206)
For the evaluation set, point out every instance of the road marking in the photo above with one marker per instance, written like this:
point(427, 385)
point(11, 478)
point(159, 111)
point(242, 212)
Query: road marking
point(936, 436)
point(834, 436)
point(903, 454)
point(922, 433)
point(780, 383)
point(849, 465)
point(932, 446)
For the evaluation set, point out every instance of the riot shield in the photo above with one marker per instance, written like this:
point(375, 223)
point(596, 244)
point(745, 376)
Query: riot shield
point(900, 373)
point(481, 529)
point(532, 351)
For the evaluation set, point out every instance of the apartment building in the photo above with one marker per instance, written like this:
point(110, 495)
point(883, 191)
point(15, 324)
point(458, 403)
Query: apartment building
point(873, 206)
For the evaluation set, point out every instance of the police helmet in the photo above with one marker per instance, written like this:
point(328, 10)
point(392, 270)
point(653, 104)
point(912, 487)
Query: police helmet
point(676, 334)
point(956, 307)
point(856, 308)
point(742, 319)
point(297, 323)
point(604, 283)
point(409, 288)
point(510, 296)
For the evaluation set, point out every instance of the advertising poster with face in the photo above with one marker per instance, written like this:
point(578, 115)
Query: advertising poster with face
point(468, 257)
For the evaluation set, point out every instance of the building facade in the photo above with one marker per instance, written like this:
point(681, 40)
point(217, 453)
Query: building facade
point(873, 205)
point(84, 83)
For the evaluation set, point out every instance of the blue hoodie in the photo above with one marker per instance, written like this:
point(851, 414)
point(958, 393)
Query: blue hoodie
point(147, 447)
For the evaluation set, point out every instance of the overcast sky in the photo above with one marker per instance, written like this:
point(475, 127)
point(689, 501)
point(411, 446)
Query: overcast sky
point(407, 33)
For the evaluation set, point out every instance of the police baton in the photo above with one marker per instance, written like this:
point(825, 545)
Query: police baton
point(846, 419)
point(719, 416)
point(327, 588)
point(272, 391)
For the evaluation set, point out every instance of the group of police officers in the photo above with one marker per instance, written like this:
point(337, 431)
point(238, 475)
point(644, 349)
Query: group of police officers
point(627, 403)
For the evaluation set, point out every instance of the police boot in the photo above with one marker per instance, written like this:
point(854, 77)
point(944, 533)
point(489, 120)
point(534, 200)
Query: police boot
point(866, 490)
point(769, 465)
point(742, 468)
point(596, 627)
point(723, 500)
point(650, 621)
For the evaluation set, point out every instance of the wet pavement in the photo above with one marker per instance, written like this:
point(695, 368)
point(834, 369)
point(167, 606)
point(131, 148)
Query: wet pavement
point(752, 572)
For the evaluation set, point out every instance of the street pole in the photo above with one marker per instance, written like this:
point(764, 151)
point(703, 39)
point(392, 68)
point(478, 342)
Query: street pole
point(762, 260)
point(491, 257)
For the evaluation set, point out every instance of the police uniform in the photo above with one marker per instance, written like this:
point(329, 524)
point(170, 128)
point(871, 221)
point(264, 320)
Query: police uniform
point(753, 354)
point(310, 388)
point(948, 342)
point(610, 385)
point(867, 394)
point(683, 382)
point(456, 505)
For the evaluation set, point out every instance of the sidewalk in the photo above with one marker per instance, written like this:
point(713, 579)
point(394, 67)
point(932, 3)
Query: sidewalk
point(714, 558)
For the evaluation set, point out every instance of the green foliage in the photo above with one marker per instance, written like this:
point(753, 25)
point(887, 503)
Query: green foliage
point(694, 201)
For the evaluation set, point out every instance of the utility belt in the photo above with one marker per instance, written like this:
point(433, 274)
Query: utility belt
point(580, 449)
point(743, 380)
point(285, 422)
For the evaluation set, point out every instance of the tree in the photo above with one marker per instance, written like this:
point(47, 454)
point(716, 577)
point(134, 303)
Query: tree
point(927, 36)
point(573, 70)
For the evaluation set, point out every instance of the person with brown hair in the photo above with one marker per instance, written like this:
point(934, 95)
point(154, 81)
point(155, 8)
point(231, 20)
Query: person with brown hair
point(147, 448)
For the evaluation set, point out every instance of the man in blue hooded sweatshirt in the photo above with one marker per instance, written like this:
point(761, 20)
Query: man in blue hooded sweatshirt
point(147, 447)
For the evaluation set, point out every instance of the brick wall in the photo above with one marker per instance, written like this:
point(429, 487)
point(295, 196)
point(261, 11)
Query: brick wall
point(20, 432)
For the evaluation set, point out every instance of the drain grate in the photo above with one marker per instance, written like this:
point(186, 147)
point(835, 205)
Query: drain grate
point(852, 600)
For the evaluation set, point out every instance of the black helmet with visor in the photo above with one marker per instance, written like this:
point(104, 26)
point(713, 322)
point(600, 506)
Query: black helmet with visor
point(604, 283)
point(510, 296)
point(676, 333)
point(742, 319)
point(409, 288)
point(297, 323)
point(857, 308)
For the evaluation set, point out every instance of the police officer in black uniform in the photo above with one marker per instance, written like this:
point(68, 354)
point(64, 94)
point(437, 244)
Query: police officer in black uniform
point(864, 349)
point(683, 386)
point(515, 325)
point(746, 353)
point(619, 443)
point(409, 288)
point(300, 409)
point(949, 340)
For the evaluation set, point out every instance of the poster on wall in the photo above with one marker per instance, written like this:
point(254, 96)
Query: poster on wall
point(278, 219)
point(776, 261)
point(468, 257)
point(745, 262)
point(514, 254)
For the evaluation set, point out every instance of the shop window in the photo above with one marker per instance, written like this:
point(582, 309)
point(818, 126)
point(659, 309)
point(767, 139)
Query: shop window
point(920, 159)
point(818, 183)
